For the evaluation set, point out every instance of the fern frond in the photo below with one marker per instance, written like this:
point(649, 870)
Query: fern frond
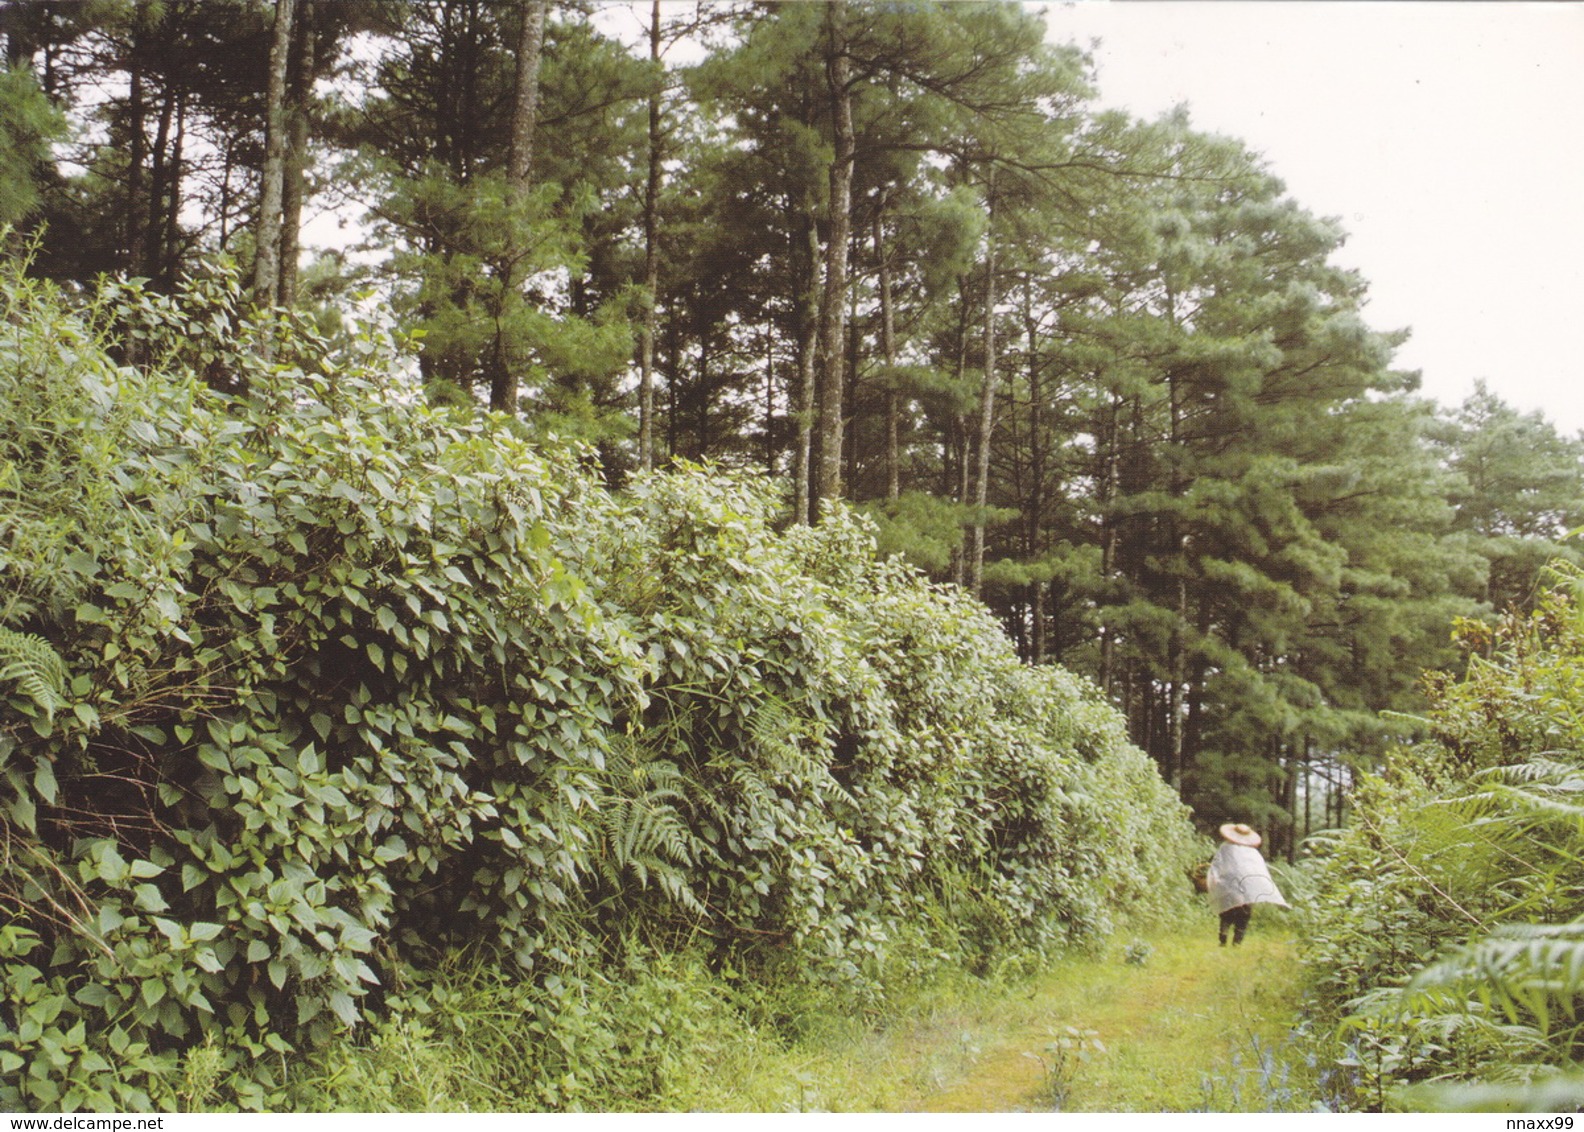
point(35, 667)
point(646, 833)
point(1537, 792)
point(1532, 969)
point(1536, 803)
point(1538, 768)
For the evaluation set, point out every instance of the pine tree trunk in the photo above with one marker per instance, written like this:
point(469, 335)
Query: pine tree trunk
point(1290, 803)
point(1039, 649)
point(299, 97)
point(1176, 717)
point(1035, 504)
point(981, 490)
point(1177, 665)
point(850, 369)
point(959, 439)
point(701, 402)
point(170, 222)
point(769, 453)
point(136, 206)
point(267, 256)
point(153, 265)
point(1109, 538)
point(808, 378)
point(674, 367)
point(1308, 785)
point(651, 223)
point(893, 403)
point(519, 178)
point(525, 104)
point(833, 306)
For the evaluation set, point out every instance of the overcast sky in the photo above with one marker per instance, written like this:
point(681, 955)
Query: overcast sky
point(1448, 137)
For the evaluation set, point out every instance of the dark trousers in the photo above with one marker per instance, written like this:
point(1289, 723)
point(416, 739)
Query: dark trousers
point(1238, 920)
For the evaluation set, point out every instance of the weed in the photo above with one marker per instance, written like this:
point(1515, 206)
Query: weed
point(202, 1068)
point(1138, 953)
point(1060, 1060)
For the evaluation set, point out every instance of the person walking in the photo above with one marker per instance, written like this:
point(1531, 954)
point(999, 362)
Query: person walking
point(1239, 879)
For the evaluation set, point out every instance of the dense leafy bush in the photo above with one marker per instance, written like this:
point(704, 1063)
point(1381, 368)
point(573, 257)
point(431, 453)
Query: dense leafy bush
point(1468, 851)
point(304, 685)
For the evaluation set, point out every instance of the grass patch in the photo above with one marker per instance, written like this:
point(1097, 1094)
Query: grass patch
point(1162, 1022)
point(1166, 1023)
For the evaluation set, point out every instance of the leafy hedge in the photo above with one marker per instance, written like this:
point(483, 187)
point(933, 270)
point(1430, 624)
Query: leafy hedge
point(1447, 942)
point(306, 684)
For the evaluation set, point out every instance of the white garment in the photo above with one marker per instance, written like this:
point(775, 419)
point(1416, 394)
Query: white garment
point(1238, 875)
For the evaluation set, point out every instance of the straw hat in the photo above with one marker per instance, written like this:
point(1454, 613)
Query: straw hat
point(1241, 834)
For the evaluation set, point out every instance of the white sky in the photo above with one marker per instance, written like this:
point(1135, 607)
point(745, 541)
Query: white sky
point(1448, 137)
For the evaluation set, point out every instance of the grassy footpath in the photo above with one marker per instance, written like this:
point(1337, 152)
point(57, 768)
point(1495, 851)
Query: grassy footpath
point(1109, 1035)
point(1171, 1022)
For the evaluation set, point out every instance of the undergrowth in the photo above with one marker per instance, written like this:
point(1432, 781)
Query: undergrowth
point(1445, 938)
point(331, 721)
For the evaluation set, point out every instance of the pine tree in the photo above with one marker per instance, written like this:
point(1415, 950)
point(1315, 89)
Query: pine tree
point(1522, 494)
point(492, 215)
point(29, 124)
point(1212, 364)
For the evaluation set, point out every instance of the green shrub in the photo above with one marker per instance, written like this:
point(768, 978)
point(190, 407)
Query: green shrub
point(304, 686)
point(1445, 944)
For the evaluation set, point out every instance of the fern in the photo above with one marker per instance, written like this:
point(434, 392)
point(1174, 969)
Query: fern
point(1523, 969)
point(646, 833)
point(35, 667)
point(1541, 785)
point(772, 735)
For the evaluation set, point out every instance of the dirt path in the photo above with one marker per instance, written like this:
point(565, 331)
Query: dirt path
point(1190, 1027)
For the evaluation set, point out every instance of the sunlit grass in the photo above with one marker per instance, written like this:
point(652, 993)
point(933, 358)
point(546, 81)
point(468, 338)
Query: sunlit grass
point(1112, 1035)
point(1191, 1026)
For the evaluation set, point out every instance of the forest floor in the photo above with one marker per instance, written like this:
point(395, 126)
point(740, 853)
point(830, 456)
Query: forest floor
point(1172, 1023)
